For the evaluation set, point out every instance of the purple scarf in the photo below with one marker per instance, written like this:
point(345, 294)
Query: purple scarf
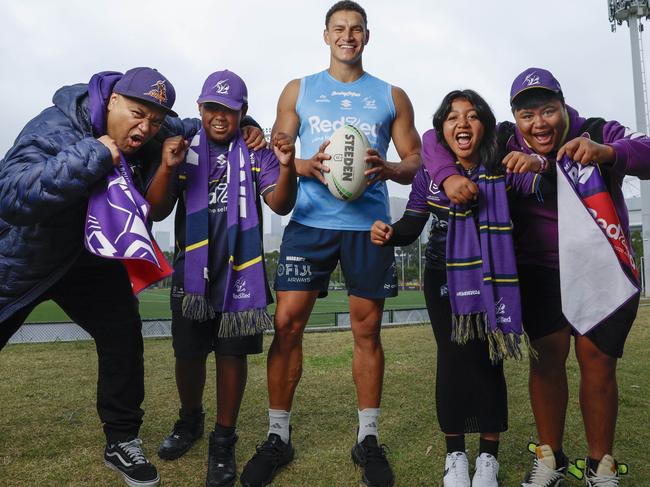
point(482, 272)
point(116, 218)
point(245, 300)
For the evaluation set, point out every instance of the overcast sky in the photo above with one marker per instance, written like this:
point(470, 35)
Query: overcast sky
point(426, 47)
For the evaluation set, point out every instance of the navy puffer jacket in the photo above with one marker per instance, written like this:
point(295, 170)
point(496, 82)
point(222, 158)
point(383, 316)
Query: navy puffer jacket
point(45, 181)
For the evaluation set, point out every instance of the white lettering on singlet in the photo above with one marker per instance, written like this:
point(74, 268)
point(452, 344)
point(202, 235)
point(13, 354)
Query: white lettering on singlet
point(325, 126)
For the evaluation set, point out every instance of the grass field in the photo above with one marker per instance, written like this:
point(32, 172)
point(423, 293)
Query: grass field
point(50, 434)
point(154, 304)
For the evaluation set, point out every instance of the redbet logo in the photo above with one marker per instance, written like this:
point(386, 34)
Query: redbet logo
point(319, 126)
point(612, 230)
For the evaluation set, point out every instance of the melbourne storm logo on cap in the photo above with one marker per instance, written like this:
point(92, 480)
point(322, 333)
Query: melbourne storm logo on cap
point(222, 87)
point(531, 79)
point(159, 91)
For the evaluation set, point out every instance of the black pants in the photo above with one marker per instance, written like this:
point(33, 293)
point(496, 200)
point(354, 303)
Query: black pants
point(96, 294)
point(541, 304)
point(471, 395)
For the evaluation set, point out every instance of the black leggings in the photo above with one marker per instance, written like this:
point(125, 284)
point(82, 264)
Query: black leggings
point(471, 395)
point(96, 294)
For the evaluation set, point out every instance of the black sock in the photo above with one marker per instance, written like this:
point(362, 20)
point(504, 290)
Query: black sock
point(190, 413)
point(223, 431)
point(561, 459)
point(455, 443)
point(592, 465)
point(488, 446)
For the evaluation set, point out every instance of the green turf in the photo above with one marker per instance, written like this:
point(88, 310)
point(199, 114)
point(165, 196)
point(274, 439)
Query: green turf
point(50, 434)
point(154, 303)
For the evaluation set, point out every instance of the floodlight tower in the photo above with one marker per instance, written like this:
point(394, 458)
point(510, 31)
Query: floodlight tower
point(634, 12)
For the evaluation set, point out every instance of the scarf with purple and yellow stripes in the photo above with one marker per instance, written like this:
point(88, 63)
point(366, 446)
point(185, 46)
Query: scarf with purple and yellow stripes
point(482, 270)
point(244, 305)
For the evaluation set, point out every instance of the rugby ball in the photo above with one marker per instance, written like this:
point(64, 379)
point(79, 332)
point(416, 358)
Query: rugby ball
point(348, 147)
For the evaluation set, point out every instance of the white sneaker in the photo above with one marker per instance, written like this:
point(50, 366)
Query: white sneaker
point(487, 469)
point(544, 472)
point(456, 470)
point(606, 474)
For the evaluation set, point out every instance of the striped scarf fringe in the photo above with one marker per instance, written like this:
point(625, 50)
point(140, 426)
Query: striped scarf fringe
point(474, 326)
point(244, 323)
point(468, 327)
point(197, 307)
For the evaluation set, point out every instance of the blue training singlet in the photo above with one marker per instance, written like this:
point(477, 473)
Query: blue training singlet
point(325, 104)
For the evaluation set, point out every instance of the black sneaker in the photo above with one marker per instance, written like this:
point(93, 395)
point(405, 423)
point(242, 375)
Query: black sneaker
point(222, 469)
point(187, 430)
point(271, 455)
point(128, 459)
point(371, 457)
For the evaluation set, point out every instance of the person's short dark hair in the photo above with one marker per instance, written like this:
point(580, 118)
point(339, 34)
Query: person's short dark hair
point(488, 145)
point(346, 5)
point(535, 98)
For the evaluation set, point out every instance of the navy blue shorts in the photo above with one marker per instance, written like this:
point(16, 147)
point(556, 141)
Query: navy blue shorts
point(309, 255)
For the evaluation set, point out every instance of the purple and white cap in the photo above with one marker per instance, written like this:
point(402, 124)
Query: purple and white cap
point(148, 85)
point(534, 78)
point(225, 88)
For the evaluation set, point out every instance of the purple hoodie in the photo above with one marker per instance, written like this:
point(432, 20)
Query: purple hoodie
point(535, 223)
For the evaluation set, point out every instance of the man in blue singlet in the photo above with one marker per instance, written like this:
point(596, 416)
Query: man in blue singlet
point(324, 231)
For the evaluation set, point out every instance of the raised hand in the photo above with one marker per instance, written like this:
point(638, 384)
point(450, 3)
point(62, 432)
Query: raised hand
point(520, 162)
point(111, 145)
point(585, 151)
point(459, 189)
point(173, 151)
point(380, 233)
point(284, 148)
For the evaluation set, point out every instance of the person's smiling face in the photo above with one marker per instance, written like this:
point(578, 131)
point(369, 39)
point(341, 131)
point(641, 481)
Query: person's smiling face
point(542, 127)
point(219, 122)
point(347, 35)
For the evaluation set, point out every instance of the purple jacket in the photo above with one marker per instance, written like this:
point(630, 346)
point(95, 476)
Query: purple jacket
point(535, 223)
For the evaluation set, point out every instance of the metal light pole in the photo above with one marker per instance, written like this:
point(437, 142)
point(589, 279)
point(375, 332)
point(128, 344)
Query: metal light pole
point(633, 12)
point(420, 262)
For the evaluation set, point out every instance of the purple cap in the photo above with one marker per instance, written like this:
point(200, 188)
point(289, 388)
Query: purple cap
point(534, 78)
point(224, 88)
point(148, 85)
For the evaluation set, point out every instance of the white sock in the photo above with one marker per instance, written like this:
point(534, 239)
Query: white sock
point(368, 419)
point(279, 423)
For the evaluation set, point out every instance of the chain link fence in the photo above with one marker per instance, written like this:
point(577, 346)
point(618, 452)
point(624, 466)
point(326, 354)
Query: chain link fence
point(70, 332)
point(161, 328)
